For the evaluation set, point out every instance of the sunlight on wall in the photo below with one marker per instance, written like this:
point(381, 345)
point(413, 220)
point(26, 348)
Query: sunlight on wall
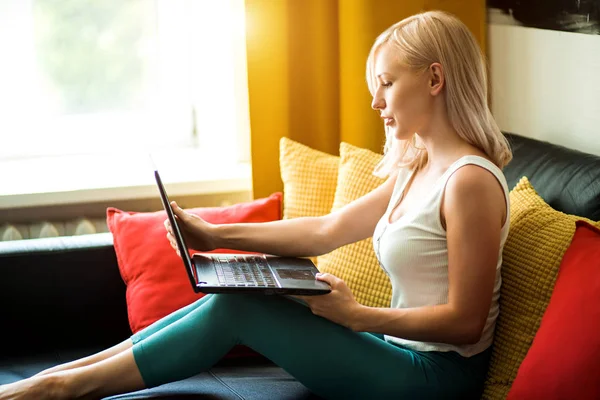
point(545, 85)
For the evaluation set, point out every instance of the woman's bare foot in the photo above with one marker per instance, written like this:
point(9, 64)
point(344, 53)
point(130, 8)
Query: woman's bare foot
point(48, 387)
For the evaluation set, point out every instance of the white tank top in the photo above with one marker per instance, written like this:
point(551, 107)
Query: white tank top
point(413, 252)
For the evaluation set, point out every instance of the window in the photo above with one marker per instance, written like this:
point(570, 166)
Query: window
point(91, 77)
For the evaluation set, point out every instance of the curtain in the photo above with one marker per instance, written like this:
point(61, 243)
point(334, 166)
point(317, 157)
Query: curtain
point(306, 73)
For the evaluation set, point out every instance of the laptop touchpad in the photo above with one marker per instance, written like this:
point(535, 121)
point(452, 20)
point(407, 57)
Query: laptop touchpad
point(303, 274)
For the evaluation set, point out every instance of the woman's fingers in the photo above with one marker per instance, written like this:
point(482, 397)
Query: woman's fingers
point(168, 226)
point(179, 212)
point(171, 237)
point(172, 241)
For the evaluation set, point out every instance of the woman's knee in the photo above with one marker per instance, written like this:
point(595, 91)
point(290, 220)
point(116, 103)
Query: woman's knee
point(237, 302)
point(241, 305)
point(230, 305)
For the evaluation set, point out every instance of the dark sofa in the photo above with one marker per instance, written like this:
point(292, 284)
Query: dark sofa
point(63, 298)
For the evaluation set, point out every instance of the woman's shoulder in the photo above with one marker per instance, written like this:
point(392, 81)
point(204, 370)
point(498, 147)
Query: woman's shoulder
point(475, 172)
point(471, 160)
point(477, 184)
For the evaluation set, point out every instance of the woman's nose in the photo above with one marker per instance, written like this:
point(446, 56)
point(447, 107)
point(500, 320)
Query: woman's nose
point(377, 103)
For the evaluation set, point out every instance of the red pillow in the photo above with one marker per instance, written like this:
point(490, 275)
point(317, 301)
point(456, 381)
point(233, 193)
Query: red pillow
point(157, 283)
point(564, 359)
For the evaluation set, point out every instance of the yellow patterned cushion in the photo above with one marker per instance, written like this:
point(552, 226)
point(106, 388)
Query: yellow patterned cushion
point(537, 241)
point(356, 263)
point(309, 179)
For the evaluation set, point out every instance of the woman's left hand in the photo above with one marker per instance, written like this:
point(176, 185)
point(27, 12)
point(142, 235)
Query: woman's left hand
point(338, 306)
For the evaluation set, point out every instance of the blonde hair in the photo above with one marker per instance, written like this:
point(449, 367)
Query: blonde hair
point(439, 37)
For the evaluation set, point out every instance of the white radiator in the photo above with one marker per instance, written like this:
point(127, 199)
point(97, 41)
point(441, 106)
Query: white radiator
point(44, 229)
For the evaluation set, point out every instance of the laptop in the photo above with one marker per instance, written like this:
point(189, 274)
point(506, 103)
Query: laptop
point(244, 273)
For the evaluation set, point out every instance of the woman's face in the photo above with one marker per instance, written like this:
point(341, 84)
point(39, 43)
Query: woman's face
point(402, 96)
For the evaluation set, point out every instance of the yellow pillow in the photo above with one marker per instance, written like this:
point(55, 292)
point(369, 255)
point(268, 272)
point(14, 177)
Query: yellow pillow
point(309, 179)
point(356, 263)
point(537, 241)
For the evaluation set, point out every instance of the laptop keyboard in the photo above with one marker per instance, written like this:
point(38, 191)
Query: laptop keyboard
point(244, 271)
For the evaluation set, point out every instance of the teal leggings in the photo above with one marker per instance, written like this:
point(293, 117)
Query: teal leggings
point(329, 359)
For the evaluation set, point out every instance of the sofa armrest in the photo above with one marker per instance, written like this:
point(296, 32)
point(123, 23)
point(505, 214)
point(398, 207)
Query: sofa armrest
point(58, 293)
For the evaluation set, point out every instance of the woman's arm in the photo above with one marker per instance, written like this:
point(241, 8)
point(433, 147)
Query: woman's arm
point(297, 237)
point(474, 209)
point(441, 324)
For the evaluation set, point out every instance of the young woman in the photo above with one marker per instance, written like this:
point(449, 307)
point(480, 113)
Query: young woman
point(439, 223)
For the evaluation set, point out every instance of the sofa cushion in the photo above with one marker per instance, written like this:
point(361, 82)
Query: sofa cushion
point(250, 378)
point(537, 241)
point(60, 292)
point(356, 263)
point(309, 179)
point(562, 362)
point(568, 180)
point(157, 283)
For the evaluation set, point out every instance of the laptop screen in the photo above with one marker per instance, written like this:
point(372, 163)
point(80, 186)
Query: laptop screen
point(183, 250)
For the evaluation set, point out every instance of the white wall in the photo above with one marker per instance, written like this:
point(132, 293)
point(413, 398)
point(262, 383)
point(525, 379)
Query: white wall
point(546, 84)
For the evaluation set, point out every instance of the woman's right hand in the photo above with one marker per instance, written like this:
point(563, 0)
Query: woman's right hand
point(196, 231)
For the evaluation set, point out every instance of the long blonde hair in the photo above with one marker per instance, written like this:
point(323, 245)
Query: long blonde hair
point(439, 37)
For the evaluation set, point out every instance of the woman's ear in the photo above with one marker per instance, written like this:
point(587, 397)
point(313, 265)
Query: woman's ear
point(436, 78)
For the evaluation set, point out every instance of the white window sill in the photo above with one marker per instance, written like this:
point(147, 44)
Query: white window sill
point(91, 178)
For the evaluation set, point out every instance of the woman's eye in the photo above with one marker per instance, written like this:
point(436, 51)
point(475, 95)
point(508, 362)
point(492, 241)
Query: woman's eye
point(386, 84)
